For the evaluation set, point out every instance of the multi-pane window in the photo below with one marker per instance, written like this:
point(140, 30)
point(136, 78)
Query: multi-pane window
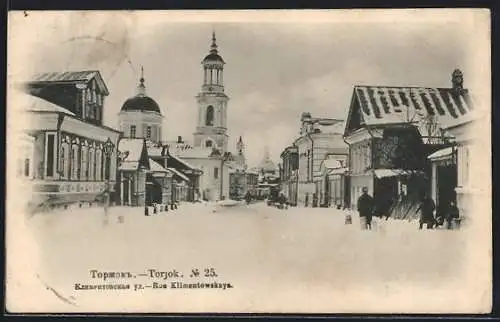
point(132, 131)
point(98, 167)
point(148, 132)
point(64, 160)
point(49, 165)
point(75, 163)
point(208, 144)
point(91, 164)
point(216, 173)
point(26, 167)
point(84, 164)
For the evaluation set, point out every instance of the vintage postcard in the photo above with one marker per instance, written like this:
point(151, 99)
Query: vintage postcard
point(282, 161)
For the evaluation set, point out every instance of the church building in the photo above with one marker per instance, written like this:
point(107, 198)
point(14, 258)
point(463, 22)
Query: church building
point(209, 151)
point(145, 175)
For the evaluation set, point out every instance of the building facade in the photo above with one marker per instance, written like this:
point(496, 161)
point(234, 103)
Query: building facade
point(133, 170)
point(69, 164)
point(319, 137)
point(333, 191)
point(289, 179)
point(390, 132)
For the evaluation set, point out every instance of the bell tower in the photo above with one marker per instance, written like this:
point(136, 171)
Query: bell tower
point(211, 130)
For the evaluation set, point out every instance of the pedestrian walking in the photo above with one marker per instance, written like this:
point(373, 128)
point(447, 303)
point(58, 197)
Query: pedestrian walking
point(426, 208)
point(365, 207)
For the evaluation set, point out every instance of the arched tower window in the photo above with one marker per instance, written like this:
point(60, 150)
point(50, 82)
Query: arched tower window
point(209, 119)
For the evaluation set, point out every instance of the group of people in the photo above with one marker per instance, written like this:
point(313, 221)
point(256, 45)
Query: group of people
point(426, 208)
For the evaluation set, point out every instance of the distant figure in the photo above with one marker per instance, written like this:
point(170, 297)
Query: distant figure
point(315, 200)
point(282, 201)
point(427, 207)
point(248, 197)
point(451, 214)
point(365, 209)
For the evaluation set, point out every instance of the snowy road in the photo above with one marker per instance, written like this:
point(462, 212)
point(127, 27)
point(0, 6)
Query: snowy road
point(274, 258)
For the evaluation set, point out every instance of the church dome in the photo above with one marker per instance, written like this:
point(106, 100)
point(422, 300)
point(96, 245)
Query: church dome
point(213, 57)
point(141, 103)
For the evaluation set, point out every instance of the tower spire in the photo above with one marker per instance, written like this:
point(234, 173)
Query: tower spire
point(141, 89)
point(213, 47)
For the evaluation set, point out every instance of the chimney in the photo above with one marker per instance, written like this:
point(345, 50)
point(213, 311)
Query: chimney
point(179, 139)
point(457, 81)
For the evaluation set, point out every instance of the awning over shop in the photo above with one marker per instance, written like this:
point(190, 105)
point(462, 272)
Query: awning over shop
point(441, 154)
point(178, 174)
point(387, 173)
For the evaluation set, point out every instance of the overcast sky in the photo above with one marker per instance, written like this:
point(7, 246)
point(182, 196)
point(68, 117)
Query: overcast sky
point(274, 71)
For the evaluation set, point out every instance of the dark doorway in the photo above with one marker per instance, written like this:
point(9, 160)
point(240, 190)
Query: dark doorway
point(386, 193)
point(153, 192)
point(326, 201)
point(126, 183)
point(446, 183)
point(347, 191)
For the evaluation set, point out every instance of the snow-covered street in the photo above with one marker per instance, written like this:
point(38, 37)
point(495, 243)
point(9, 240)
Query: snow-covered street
point(301, 259)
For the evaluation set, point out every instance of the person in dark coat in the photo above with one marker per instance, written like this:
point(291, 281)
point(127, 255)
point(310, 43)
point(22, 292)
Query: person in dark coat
point(248, 197)
point(451, 213)
point(365, 207)
point(427, 207)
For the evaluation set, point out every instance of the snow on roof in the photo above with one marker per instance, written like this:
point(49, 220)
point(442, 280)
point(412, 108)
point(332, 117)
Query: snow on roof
point(336, 128)
point(195, 153)
point(133, 149)
point(382, 105)
point(32, 103)
point(70, 77)
point(155, 166)
point(128, 166)
point(179, 174)
point(338, 170)
point(440, 154)
point(385, 173)
point(332, 163)
point(154, 151)
point(184, 162)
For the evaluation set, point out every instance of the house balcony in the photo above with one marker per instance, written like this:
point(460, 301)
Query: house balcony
point(69, 187)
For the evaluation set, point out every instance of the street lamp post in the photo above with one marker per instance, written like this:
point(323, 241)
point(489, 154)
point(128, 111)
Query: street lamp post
point(108, 150)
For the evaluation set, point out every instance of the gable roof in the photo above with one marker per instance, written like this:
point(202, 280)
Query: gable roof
point(178, 174)
point(155, 166)
point(182, 162)
point(70, 77)
point(135, 154)
point(30, 103)
point(384, 105)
